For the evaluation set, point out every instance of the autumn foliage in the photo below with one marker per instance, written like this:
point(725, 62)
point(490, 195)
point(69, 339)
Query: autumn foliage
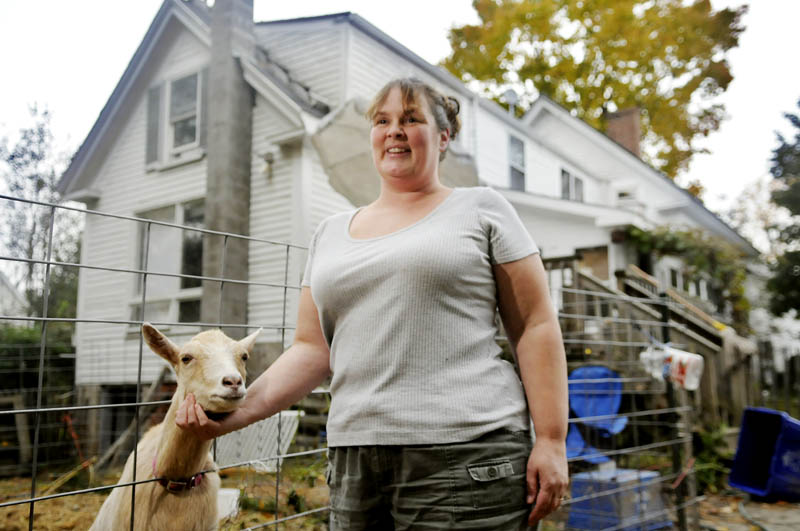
point(665, 56)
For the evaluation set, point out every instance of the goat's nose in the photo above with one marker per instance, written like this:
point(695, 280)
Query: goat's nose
point(232, 380)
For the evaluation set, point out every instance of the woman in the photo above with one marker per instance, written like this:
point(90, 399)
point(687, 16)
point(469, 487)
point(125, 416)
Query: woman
point(428, 427)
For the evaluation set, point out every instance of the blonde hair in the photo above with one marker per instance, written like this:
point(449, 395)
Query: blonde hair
point(444, 108)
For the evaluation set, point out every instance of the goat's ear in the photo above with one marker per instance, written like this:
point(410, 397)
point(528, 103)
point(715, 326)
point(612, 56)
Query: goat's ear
point(249, 342)
point(159, 343)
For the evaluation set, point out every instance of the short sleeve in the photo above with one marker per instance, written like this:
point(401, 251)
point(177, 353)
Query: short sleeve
point(312, 247)
point(509, 240)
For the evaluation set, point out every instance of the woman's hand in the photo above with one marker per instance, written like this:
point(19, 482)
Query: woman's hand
point(192, 417)
point(547, 477)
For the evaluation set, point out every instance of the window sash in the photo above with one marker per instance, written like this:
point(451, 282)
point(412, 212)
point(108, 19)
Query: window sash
point(184, 104)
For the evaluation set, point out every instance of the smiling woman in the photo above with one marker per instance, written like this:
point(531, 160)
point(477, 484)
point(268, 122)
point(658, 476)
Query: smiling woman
point(398, 306)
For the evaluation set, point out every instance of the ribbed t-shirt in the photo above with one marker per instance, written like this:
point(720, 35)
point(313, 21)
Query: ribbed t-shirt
point(410, 321)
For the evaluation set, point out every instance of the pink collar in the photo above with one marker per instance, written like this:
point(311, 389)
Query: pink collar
point(175, 486)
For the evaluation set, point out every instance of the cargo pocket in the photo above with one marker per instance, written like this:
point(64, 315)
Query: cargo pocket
point(497, 484)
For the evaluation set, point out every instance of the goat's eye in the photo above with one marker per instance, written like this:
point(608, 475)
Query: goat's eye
point(245, 356)
point(186, 359)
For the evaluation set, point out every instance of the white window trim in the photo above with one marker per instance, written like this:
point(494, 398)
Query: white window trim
point(572, 188)
point(512, 164)
point(170, 129)
point(169, 156)
point(181, 294)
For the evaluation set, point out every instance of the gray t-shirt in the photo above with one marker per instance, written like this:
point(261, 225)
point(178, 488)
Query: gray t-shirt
point(410, 321)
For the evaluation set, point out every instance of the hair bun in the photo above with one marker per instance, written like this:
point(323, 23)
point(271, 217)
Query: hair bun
point(453, 106)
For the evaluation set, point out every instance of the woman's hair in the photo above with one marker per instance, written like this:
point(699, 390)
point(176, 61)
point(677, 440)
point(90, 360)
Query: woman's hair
point(444, 108)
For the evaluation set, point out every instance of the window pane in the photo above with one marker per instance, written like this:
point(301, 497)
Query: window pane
point(517, 180)
point(153, 311)
point(192, 250)
point(673, 278)
point(158, 257)
point(189, 311)
point(565, 178)
point(578, 189)
point(184, 131)
point(516, 152)
point(183, 97)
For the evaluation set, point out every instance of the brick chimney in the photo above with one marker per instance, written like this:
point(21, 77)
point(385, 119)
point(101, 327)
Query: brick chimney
point(227, 203)
point(624, 127)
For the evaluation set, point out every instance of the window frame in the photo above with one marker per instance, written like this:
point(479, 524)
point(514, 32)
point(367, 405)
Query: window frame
point(513, 166)
point(576, 186)
point(173, 297)
point(169, 122)
point(167, 155)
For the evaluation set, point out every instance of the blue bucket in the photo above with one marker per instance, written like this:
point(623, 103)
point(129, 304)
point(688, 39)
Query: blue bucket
point(767, 462)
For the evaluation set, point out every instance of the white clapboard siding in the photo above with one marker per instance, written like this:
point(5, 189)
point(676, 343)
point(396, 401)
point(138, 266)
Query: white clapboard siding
point(271, 219)
point(313, 51)
point(108, 353)
point(325, 200)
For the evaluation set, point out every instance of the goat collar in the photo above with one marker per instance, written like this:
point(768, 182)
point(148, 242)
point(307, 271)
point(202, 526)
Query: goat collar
point(178, 485)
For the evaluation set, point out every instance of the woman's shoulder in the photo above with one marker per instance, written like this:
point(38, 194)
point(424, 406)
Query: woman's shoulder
point(483, 196)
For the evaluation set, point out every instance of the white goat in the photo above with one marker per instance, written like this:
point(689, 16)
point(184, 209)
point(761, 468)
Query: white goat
point(212, 367)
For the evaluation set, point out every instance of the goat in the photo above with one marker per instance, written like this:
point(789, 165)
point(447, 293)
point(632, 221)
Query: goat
point(212, 367)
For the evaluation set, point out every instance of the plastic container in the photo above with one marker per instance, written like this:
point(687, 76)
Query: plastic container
point(767, 462)
point(633, 502)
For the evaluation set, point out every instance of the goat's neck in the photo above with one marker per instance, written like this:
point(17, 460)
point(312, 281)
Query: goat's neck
point(181, 454)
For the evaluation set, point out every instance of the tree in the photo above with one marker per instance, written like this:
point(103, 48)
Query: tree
point(785, 170)
point(666, 57)
point(30, 169)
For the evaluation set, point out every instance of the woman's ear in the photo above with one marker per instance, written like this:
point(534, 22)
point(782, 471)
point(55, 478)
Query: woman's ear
point(444, 139)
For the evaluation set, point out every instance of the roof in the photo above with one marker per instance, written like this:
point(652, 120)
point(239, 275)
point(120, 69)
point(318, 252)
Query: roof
point(197, 18)
point(543, 102)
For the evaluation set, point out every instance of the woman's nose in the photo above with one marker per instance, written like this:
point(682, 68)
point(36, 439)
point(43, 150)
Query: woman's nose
point(395, 130)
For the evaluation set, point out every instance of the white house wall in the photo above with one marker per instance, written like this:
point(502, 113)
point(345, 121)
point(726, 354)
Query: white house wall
point(107, 353)
point(271, 219)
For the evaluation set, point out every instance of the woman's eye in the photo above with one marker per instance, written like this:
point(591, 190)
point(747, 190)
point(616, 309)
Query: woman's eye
point(186, 359)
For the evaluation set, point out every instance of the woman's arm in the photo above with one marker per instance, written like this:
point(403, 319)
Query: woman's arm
point(301, 368)
point(532, 327)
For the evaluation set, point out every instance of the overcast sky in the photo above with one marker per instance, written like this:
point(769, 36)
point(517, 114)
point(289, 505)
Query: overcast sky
point(69, 55)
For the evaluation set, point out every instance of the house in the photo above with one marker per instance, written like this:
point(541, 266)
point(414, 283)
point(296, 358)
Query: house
point(220, 122)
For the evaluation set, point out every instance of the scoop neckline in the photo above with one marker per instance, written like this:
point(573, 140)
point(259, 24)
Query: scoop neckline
point(398, 231)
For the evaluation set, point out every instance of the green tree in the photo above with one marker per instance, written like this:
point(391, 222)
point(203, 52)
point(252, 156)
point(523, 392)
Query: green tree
point(30, 169)
point(785, 282)
point(666, 57)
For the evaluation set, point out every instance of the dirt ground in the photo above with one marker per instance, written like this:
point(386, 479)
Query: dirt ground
point(303, 488)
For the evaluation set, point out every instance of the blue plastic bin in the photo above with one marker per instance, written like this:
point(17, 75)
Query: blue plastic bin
point(633, 502)
point(767, 462)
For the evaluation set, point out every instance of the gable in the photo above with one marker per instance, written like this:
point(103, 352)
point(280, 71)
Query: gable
point(172, 21)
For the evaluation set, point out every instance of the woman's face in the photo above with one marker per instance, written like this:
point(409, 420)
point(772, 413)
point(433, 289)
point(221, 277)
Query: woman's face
point(406, 141)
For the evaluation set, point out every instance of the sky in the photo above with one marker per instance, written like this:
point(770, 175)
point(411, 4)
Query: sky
point(69, 55)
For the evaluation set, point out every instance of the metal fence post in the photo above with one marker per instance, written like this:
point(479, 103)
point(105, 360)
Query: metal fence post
point(671, 403)
point(42, 343)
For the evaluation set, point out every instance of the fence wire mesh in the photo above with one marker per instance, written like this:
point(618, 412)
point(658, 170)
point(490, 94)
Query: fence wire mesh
point(71, 412)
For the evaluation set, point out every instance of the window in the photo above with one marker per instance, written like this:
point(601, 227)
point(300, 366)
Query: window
point(571, 186)
point(183, 110)
point(175, 118)
point(170, 250)
point(516, 162)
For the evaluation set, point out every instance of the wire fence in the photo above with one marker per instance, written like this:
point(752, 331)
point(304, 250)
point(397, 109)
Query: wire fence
point(71, 413)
